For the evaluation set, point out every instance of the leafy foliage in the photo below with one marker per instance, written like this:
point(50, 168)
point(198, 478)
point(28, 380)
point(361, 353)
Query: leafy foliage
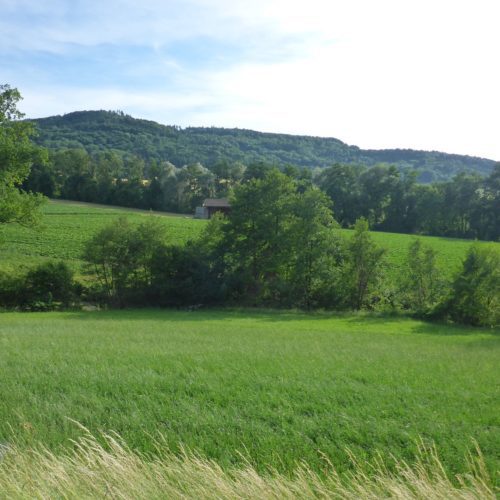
point(121, 257)
point(475, 295)
point(17, 153)
point(48, 286)
point(423, 284)
point(364, 266)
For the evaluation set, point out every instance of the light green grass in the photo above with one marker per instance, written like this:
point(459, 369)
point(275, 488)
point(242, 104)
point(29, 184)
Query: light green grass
point(276, 387)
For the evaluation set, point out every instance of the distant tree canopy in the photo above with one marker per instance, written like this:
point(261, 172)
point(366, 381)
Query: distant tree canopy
point(102, 131)
point(467, 206)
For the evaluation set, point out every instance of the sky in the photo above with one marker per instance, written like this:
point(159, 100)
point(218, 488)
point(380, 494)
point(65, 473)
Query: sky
point(421, 74)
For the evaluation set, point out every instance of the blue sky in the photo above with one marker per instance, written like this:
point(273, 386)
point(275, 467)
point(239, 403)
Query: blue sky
point(391, 73)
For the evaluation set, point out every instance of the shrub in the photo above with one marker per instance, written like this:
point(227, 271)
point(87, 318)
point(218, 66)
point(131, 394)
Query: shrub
point(48, 286)
point(120, 255)
point(475, 296)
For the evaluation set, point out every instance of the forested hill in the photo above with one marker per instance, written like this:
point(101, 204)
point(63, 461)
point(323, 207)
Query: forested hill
point(103, 130)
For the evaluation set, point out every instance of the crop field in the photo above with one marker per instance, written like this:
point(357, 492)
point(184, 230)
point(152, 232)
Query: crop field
point(269, 389)
point(67, 225)
point(65, 228)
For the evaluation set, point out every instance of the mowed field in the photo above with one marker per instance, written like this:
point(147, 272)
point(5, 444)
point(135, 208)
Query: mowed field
point(68, 225)
point(272, 388)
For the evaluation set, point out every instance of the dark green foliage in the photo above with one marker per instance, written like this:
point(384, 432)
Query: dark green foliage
point(422, 286)
point(485, 216)
point(279, 244)
point(17, 154)
point(46, 287)
point(466, 206)
point(340, 183)
point(99, 131)
point(315, 271)
point(41, 180)
point(121, 257)
point(184, 276)
point(364, 267)
point(475, 295)
point(49, 285)
point(258, 235)
point(11, 290)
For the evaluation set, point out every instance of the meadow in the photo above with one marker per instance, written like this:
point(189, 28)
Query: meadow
point(264, 389)
point(66, 226)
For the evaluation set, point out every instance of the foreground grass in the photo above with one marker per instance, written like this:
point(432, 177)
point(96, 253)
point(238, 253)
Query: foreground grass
point(267, 389)
point(93, 470)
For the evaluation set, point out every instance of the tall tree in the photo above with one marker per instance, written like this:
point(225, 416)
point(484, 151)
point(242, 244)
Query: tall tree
point(364, 267)
point(17, 154)
point(341, 184)
point(317, 251)
point(258, 233)
point(422, 283)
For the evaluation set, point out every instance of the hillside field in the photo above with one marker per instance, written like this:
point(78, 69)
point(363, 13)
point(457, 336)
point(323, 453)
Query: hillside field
point(273, 388)
point(68, 225)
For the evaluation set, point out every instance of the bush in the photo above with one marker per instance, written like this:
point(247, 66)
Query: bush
point(120, 255)
point(11, 288)
point(45, 287)
point(48, 286)
point(475, 296)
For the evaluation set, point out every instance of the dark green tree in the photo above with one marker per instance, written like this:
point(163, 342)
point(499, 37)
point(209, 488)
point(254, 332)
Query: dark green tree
point(422, 286)
point(475, 296)
point(364, 267)
point(258, 234)
point(17, 154)
point(120, 256)
point(317, 252)
point(341, 184)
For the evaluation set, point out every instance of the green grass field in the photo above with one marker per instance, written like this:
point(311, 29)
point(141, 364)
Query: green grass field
point(275, 387)
point(68, 225)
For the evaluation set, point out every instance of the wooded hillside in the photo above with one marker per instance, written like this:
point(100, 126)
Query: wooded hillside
point(104, 130)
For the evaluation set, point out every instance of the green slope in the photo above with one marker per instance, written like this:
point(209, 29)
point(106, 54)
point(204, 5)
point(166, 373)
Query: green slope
point(102, 130)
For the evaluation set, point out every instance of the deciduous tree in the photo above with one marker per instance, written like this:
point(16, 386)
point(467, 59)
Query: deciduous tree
point(17, 154)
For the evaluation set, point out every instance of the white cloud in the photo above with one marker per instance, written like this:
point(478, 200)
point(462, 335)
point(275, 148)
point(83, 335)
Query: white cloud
point(391, 73)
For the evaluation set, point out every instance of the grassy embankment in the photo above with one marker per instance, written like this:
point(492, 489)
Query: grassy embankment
point(67, 225)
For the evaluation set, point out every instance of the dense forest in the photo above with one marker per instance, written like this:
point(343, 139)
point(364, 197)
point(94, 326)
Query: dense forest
point(99, 131)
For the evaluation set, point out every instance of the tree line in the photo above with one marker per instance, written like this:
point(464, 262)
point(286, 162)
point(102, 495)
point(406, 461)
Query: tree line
point(468, 206)
point(280, 246)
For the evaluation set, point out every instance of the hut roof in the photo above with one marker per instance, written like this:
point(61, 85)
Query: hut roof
point(216, 203)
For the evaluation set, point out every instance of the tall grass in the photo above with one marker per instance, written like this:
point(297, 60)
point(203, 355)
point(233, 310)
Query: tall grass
point(111, 469)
